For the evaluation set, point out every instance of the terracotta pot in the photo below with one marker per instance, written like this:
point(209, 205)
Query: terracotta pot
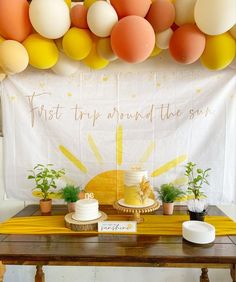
point(45, 206)
point(168, 208)
point(71, 207)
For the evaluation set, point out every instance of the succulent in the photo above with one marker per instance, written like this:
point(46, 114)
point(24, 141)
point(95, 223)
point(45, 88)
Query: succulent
point(168, 193)
point(70, 193)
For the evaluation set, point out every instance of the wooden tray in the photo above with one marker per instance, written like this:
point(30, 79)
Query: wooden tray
point(76, 225)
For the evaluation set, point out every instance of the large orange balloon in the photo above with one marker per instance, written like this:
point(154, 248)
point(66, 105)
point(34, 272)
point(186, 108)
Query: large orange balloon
point(161, 15)
point(128, 7)
point(133, 39)
point(78, 16)
point(14, 19)
point(187, 44)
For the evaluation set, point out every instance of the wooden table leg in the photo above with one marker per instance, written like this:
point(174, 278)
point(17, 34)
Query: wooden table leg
point(233, 272)
point(39, 276)
point(204, 276)
point(2, 271)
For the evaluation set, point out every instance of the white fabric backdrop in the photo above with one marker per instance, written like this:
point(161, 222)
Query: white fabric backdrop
point(162, 110)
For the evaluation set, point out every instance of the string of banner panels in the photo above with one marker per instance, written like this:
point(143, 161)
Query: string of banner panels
point(58, 34)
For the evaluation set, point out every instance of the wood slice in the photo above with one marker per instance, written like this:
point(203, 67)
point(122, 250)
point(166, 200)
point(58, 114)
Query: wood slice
point(77, 225)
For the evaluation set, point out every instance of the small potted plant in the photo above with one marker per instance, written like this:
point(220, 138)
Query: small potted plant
point(197, 178)
point(70, 194)
point(168, 193)
point(45, 179)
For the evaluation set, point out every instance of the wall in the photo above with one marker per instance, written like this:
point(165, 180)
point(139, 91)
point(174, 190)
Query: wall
point(98, 274)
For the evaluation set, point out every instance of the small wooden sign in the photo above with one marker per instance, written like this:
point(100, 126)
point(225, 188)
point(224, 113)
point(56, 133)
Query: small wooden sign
point(117, 226)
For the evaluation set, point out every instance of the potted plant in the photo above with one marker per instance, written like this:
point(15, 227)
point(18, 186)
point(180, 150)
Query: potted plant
point(45, 179)
point(197, 178)
point(70, 194)
point(168, 193)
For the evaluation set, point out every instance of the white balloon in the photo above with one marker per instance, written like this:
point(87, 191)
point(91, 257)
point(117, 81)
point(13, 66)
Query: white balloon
point(163, 38)
point(233, 31)
point(101, 18)
point(65, 66)
point(184, 11)
point(50, 18)
point(214, 17)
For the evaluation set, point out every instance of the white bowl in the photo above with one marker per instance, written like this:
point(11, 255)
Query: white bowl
point(198, 232)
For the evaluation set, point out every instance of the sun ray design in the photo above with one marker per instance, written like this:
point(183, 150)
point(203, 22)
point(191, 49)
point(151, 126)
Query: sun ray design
point(168, 166)
point(94, 148)
point(180, 181)
point(73, 159)
point(119, 145)
point(147, 153)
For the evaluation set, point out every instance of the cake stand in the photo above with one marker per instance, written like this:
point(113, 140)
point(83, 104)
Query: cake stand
point(136, 211)
point(77, 225)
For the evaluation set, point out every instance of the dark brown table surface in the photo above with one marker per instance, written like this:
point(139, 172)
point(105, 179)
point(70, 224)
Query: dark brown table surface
point(116, 250)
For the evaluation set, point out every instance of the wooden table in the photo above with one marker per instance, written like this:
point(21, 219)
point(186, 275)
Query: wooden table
point(115, 250)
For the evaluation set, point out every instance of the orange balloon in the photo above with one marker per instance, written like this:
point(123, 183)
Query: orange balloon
point(187, 44)
point(127, 8)
point(14, 19)
point(78, 16)
point(133, 39)
point(161, 15)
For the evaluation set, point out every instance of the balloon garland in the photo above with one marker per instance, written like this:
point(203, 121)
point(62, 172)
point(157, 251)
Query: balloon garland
point(56, 34)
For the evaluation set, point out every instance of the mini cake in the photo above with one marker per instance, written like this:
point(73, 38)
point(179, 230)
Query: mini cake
point(86, 209)
point(136, 187)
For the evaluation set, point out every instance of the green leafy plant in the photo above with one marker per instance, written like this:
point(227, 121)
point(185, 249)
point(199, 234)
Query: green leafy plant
point(197, 177)
point(168, 193)
point(70, 193)
point(45, 178)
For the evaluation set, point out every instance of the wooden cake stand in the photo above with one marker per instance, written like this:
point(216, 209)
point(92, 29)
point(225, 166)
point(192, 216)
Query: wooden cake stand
point(137, 211)
point(76, 225)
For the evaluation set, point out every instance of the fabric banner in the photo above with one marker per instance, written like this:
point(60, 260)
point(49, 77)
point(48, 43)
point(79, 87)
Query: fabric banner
point(96, 124)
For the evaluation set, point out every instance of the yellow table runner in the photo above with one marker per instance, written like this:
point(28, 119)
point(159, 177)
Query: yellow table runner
point(152, 225)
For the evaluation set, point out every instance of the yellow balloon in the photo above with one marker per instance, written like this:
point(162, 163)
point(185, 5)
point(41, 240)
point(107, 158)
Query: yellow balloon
point(1, 39)
point(219, 51)
point(94, 61)
point(2, 75)
point(68, 3)
point(88, 3)
point(77, 43)
point(156, 51)
point(43, 52)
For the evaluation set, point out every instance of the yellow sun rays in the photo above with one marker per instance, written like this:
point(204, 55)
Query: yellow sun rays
point(94, 148)
point(168, 166)
point(147, 153)
point(73, 159)
point(119, 156)
point(119, 145)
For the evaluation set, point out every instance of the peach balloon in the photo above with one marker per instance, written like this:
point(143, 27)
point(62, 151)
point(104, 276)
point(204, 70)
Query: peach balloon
point(161, 15)
point(78, 16)
point(13, 57)
point(127, 7)
point(133, 39)
point(14, 19)
point(187, 44)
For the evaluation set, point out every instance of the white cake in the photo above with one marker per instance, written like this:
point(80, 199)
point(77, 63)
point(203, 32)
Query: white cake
point(86, 209)
point(132, 181)
point(134, 177)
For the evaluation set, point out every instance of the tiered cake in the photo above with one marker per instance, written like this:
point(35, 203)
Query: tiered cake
point(86, 209)
point(134, 181)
